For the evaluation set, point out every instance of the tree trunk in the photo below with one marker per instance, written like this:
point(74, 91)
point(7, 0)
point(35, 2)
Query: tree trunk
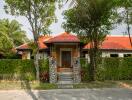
point(92, 66)
point(94, 50)
point(128, 26)
point(36, 63)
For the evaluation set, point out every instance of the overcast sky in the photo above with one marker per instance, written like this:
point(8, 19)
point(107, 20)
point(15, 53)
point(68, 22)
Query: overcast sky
point(55, 27)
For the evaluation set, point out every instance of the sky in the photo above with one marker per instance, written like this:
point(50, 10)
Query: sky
point(54, 27)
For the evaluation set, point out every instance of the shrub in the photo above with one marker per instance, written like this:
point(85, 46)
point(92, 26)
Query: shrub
point(84, 70)
point(17, 69)
point(110, 69)
point(44, 70)
point(115, 69)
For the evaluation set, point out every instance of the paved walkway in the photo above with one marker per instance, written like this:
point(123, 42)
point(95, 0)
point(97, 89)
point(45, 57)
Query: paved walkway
point(68, 94)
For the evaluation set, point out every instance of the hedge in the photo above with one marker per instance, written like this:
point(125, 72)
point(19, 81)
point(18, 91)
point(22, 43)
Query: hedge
point(17, 69)
point(84, 70)
point(110, 69)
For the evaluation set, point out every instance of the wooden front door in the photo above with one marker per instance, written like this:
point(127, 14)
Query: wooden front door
point(66, 59)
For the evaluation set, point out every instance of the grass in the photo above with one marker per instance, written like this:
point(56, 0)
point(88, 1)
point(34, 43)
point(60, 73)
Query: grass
point(98, 84)
point(18, 85)
point(128, 82)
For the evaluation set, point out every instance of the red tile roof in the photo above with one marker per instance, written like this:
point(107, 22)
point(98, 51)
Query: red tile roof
point(41, 44)
point(23, 46)
point(114, 43)
point(64, 37)
point(41, 41)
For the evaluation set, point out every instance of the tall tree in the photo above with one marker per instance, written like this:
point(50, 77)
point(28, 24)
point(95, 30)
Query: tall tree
point(5, 45)
point(91, 19)
point(12, 29)
point(40, 14)
point(125, 16)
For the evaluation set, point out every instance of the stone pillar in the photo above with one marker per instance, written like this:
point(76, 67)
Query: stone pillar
point(76, 70)
point(52, 70)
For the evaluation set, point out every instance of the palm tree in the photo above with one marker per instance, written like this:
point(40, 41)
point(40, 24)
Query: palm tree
point(12, 30)
point(11, 35)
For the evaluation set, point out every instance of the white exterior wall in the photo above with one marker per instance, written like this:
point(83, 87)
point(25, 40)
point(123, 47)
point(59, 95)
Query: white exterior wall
point(26, 55)
point(43, 55)
point(120, 54)
point(87, 57)
point(29, 55)
point(107, 54)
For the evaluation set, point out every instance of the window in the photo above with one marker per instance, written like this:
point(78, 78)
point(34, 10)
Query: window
point(114, 55)
point(127, 55)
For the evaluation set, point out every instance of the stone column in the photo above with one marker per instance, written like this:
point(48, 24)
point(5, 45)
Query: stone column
point(76, 71)
point(52, 70)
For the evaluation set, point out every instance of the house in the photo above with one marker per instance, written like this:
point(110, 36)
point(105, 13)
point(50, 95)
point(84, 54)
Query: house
point(66, 44)
point(65, 48)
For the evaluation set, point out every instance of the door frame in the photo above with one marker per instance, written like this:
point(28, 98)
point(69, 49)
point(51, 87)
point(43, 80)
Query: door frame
point(65, 49)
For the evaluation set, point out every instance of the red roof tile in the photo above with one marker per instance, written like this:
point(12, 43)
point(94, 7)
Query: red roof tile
point(115, 43)
point(41, 44)
point(23, 46)
point(64, 37)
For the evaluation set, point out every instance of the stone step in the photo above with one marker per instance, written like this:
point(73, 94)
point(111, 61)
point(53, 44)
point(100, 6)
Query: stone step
point(65, 82)
point(65, 73)
point(65, 77)
point(65, 86)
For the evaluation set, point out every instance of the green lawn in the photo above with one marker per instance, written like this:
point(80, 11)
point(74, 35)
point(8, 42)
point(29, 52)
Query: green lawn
point(17, 85)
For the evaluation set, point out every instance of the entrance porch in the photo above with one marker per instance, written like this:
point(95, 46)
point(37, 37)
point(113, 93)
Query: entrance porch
point(66, 63)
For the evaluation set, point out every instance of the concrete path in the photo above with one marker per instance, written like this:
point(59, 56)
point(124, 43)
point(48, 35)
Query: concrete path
point(68, 94)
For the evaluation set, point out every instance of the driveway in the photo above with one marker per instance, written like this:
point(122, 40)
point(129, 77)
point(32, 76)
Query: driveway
point(68, 94)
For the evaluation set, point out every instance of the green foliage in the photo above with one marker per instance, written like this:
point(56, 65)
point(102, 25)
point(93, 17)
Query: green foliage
point(90, 17)
point(40, 13)
point(17, 69)
point(12, 31)
point(84, 70)
point(115, 69)
point(91, 20)
point(110, 69)
point(5, 44)
point(44, 64)
point(11, 35)
point(44, 70)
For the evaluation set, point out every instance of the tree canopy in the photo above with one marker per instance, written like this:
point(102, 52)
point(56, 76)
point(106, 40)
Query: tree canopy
point(91, 20)
point(88, 14)
point(40, 14)
point(11, 35)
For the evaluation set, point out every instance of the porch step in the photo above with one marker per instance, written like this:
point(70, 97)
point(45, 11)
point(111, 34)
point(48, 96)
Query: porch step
point(65, 76)
point(65, 80)
point(65, 86)
point(64, 69)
